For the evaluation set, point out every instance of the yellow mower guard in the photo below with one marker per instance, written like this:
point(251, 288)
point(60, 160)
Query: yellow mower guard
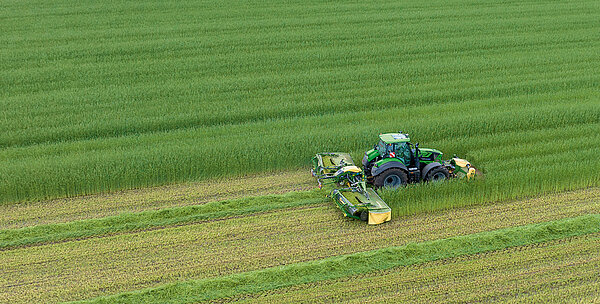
point(378, 218)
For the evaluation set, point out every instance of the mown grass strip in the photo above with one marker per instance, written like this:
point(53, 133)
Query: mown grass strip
point(101, 266)
point(533, 273)
point(155, 218)
point(64, 210)
point(364, 262)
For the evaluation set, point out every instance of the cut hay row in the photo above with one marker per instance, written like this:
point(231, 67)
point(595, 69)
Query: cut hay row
point(100, 266)
point(156, 219)
point(555, 272)
point(46, 212)
point(363, 262)
point(94, 105)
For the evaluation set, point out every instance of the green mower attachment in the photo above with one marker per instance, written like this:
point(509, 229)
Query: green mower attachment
point(345, 176)
point(328, 163)
point(350, 191)
point(461, 168)
point(364, 206)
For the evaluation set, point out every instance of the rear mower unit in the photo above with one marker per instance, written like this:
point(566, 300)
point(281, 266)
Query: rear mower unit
point(392, 162)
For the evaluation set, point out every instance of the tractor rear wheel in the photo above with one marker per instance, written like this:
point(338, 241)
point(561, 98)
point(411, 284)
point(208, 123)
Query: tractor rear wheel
point(364, 216)
point(391, 178)
point(437, 174)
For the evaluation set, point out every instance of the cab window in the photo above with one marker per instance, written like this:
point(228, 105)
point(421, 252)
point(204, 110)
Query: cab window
point(403, 151)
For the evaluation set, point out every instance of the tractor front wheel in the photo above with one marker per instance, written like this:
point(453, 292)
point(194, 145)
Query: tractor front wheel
point(391, 178)
point(437, 174)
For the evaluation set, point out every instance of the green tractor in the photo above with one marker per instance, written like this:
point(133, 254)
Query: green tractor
point(394, 162)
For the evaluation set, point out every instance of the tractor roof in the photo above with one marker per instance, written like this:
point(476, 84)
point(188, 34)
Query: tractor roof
point(392, 138)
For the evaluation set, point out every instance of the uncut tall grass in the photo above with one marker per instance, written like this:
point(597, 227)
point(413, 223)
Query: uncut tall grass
point(147, 93)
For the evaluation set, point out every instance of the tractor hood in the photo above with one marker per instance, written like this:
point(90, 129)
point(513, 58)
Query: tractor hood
point(384, 161)
point(431, 154)
point(430, 150)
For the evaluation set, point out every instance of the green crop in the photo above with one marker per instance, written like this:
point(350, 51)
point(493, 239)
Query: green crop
point(110, 164)
point(151, 93)
point(98, 96)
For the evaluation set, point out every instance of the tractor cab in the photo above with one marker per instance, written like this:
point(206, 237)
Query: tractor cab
point(398, 146)
point(394, 145)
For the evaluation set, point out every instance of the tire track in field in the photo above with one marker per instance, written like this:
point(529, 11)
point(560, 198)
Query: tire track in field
point(95, 206)
point(99, 266)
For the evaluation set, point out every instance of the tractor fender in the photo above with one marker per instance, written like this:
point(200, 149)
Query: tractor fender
point(428, 168)
point(393, 164)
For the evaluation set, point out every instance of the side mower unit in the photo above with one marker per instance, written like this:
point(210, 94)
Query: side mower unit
point(367, 206)
point(350, 192)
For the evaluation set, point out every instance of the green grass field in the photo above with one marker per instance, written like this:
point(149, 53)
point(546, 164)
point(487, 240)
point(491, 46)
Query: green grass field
point(159, 150)
point(149, 93)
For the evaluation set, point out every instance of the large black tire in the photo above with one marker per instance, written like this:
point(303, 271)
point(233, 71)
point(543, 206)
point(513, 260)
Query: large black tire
point(391, 178)
point(437, 174)
point(364, 216)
